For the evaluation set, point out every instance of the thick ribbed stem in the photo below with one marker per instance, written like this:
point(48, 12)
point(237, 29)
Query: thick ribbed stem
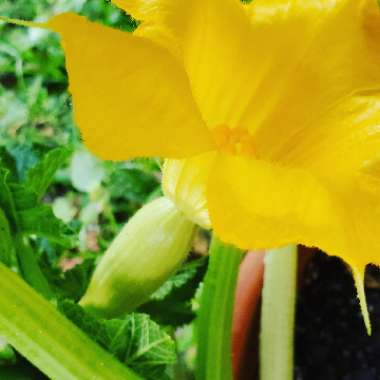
point(48, 340)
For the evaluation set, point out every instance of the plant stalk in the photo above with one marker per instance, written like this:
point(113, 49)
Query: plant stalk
point(48, 340)
point(214, 328)
point(278, 314)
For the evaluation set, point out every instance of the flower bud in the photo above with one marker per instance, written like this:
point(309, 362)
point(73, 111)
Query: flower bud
point(148, 249)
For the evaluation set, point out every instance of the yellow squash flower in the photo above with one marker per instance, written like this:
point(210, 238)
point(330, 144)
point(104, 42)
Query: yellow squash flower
point(269, 112)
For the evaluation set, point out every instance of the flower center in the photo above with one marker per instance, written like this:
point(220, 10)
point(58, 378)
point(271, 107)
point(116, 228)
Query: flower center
point(236, 141)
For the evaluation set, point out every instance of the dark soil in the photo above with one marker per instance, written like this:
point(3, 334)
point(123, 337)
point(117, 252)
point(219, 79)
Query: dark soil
point(331, 341)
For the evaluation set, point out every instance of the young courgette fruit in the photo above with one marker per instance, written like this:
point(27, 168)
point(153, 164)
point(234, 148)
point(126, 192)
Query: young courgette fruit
point(145, 253)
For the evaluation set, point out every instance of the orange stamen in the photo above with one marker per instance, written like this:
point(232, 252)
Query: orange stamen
point(235, 141)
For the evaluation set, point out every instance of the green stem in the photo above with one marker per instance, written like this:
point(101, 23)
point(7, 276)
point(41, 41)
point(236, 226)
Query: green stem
point(48, 340)
point(214, 360)
point(278, 314)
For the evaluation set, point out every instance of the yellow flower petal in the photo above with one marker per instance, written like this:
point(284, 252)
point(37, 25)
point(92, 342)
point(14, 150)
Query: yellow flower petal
point(214, 40)
point(150, 10)
point(255, 204)
point(344, 140)
point(336, 58)
point(220, 57)
point(358, 275)
point(184, 182)
point(163, 20)
point(255, 71)
point(132, 7)
point(130, 96)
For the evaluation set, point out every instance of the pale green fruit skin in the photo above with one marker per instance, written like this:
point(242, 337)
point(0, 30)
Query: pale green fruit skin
point(152, 245)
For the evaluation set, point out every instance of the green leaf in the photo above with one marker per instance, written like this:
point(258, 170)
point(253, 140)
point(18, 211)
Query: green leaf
point(171, 304)
point(23, 198)
point(182, 277)
point(8, 162)
point(70, 284)
point(95, 328)
point(41, 221)
point(7, 251)
point(6, 198)
point(29, 268)
point(132, 184)
point(135, 340)
point(24, 155)
point(41, 175)
point(142, 344)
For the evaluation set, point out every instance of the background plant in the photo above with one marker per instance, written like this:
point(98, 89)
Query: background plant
point(62, 206)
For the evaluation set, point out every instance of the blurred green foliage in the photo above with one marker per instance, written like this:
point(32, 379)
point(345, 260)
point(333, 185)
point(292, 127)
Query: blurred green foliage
point(90, 197)
point(35, 116)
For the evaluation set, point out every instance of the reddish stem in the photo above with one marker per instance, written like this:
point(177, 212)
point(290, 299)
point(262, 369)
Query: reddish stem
point(246, 316)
